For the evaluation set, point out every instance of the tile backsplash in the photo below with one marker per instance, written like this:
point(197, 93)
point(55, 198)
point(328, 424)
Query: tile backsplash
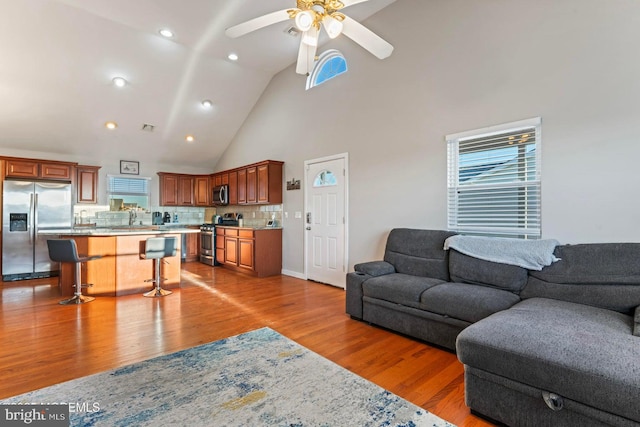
point(254, 215)
point(101, 216)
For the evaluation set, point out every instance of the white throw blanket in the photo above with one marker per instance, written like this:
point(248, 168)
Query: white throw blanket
point(529, 254)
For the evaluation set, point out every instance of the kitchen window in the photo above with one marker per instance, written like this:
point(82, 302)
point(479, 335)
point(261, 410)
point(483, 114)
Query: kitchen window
point(494, 180)
point(128, 193)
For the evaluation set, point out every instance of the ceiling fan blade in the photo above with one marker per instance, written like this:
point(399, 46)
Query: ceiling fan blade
point(347, 3)
point(307, 51)
point(257, 23)
point(366, 38)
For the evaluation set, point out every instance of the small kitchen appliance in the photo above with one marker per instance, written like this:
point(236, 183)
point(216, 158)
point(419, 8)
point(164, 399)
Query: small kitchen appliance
point(167, 218)
point(156, 218)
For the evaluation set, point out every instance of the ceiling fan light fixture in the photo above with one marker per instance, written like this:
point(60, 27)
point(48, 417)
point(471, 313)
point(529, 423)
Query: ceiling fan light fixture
point(304, 20)
point(332, 26)
point(119, 81)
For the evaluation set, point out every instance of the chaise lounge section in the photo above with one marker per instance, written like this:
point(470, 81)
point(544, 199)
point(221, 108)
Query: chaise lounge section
point(550, 347)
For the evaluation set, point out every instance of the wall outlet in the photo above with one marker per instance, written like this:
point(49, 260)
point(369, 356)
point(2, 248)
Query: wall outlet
point(298, 215)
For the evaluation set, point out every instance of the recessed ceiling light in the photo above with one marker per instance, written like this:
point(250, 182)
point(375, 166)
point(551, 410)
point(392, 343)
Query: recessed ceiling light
point(111, 125)
point(233, 57)
point(119, 81)
point(190, 138)
point(166, 33)
point(207, 103)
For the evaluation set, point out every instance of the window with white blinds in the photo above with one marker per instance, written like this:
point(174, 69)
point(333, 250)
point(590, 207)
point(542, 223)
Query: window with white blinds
point(128, 193)
point(494, 181)
point(132, 186)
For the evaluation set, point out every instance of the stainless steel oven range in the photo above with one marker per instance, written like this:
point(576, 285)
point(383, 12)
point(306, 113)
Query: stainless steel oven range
point(208, 244)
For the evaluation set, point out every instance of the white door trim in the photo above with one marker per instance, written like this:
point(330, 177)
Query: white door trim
point(345, 157)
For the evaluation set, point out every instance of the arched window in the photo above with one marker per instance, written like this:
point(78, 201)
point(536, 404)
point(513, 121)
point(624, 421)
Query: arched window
point(325, 178)
point(330, 63)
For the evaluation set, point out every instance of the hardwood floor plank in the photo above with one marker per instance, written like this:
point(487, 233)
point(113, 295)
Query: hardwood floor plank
point(44, 343)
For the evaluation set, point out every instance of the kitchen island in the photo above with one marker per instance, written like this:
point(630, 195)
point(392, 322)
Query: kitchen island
point(121, 270)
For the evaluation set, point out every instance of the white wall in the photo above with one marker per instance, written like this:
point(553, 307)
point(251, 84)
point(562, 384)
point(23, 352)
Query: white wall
point(460, 65)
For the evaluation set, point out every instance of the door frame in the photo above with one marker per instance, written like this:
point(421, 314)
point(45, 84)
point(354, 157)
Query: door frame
point(345, 158)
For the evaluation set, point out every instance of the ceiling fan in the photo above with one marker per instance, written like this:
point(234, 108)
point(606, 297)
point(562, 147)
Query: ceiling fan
point(309, 16)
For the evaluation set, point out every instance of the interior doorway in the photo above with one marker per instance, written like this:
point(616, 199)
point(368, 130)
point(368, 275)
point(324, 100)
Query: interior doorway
point(326, 219)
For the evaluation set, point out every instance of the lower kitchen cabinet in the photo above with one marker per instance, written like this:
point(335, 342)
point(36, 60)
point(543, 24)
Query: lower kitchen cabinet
point(254, 251)
point(192, 247)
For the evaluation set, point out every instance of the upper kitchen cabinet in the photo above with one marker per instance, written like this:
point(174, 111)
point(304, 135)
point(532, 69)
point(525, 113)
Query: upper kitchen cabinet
point(87, 184)
point(38, 169)
point(269, 175)
point(168, 189)
point(259, 183)
point(233, 187)
point(185, 190)
point(201, 191)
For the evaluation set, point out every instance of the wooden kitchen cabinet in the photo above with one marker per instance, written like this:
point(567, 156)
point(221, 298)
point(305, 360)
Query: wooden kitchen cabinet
point(233, 188)
point(176, 189)
point(252, 196)
point(38, 169)
point(87, 184)
point(201, 191)
point(242, 186)
point(220, 246)
point(168, 189)
point(192, 247)
point(269, 182)
point(254, 251)
point(185, 190)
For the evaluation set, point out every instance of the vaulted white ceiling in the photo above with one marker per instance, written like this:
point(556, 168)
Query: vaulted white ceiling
point(58, 59)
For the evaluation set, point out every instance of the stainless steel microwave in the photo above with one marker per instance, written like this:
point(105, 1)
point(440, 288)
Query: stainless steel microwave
point(220, 195)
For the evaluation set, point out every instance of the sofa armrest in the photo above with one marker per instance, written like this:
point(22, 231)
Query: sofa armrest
point(636, 322)
point(375, 268)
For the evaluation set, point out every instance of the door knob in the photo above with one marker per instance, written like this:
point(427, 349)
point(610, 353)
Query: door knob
point(308, 228)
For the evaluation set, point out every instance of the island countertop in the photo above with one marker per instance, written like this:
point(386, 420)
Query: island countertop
point(120, 231)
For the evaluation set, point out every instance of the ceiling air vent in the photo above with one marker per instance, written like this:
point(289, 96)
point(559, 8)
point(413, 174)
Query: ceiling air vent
point(147, 127)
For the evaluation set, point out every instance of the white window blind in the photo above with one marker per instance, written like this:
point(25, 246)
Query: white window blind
point(494, 181)
point(130, 186)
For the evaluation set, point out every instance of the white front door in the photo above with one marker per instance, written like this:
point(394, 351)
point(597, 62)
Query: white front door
point(326, 220)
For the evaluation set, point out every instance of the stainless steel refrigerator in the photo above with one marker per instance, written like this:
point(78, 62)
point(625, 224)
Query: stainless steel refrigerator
point(28, 208)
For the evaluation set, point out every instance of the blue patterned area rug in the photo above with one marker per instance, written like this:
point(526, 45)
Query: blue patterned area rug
point(259, 378)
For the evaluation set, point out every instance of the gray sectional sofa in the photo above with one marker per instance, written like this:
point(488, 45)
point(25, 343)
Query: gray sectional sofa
point(555, 347)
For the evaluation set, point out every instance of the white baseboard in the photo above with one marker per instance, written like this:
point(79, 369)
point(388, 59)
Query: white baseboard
point(294, 274)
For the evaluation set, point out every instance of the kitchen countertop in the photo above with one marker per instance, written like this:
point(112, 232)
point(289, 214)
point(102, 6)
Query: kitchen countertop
point(121, 231)
point(248, 227)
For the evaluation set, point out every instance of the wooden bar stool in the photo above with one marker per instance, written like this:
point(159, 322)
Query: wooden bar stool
point(157, 248)
point(65, 250)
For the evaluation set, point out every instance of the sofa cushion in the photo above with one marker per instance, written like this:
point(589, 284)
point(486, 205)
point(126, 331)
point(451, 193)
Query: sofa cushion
point(583, 353)
point(398, 288)
point(466, 302)
point(467, 269)
point(418, 252)
point(375, 268)
point(604, 275)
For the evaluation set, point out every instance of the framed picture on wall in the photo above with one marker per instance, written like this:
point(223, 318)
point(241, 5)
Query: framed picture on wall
point(129, 167)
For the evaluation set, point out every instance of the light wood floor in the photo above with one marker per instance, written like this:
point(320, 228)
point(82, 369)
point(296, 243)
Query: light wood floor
point(44, 343)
